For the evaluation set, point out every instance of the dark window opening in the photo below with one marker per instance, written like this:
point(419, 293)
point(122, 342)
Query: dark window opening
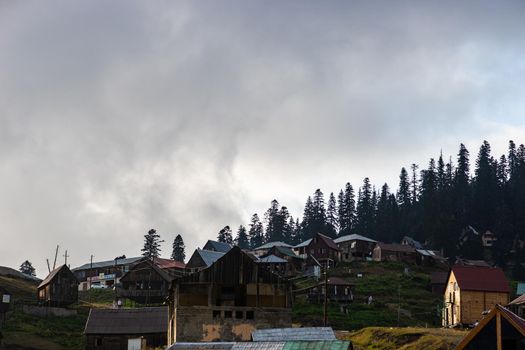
point(98, 342)
point(249, 315)
point(227, 314)
point(238, 314)
point(216, 313)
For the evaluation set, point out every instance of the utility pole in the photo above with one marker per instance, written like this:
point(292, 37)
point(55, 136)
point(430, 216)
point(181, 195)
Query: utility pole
point(65, 257)
point(55, 262)
point(48, 267)
point(326, 295)
point(398, 303)
point(90, 277)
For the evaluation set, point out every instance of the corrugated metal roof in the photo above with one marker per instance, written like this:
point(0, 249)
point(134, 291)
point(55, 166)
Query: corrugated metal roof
point(290, 345)
point(318, 345)
point(303, 244)
point(273, 244)
point(271, 259)
point(202, 346)
point(288, 334)
point(169, 263)
point(145, 320)
point(217, 246)
point(481, 278)
point(209, 256)
point(353, 237)
point(394, 247)
point(287, 251)
point(108, 263)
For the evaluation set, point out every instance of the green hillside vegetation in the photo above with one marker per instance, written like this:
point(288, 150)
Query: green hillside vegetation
point(23, 331)
point(389, 287)
point(379, 338)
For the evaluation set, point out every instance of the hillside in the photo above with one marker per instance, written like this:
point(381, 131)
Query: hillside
point(390, 288)
point(27, 332)
point(379, 338)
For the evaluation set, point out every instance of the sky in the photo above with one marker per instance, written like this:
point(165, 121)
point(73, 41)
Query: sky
point(121, 116)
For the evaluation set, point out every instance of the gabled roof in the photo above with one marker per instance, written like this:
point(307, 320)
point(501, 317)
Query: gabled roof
point(412, 242)
point(146, 320)
point(271, 259)
point(519, 300)
point(169, 263)
point(217, 246)
point(286, 251)
point(209, 256)
point(162, 273)
point(477, 278)
point(273, 244)
point(353, 237)
point(328, 241)
point(108, 263)
point(290, 334)
point(52, 275)
point(394, 247)
point(438, 277)
point(303, 244)
point(516, 322)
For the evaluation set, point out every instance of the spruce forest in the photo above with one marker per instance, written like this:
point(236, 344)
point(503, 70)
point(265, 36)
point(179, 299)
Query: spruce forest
point(447, 205)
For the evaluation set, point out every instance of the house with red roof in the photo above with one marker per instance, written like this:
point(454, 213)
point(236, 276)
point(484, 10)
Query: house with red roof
point(470, 291)
point(321, 247)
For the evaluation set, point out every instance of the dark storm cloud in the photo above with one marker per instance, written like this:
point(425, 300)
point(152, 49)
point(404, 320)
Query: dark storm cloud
point(120, 116)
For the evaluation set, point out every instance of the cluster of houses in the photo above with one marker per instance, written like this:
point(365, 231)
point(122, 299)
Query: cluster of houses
point(224, 293)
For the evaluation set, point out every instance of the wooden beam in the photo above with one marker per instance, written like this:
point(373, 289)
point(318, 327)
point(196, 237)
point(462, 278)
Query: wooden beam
point(498, 330)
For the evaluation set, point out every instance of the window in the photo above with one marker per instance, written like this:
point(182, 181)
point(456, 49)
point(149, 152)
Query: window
point(216, 313)
point(239, 315)
point(227, 314)
point(98, 342)
point(249, 315)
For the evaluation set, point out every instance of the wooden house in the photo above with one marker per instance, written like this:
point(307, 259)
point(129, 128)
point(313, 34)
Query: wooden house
point(294, 263)
point(138, 328)
point(355, 247)
point(227, 301)
point(518, 306)
point(274, 264)
point(500, 329)
point(438, 281)
point(394, 252)
point(321, 247)
point(215, 246)
point(412, 242)
point(201, 259)
point(267, 247)
point(339, 290)
point(470, 291)
point(59, 288)
point(104, 273)
point(147, 282)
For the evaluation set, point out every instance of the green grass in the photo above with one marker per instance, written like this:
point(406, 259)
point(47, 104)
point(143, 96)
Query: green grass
point(390, 289)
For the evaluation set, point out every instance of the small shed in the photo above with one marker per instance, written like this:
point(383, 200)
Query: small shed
point(59, 288)
point(500, 329)
point(108, 329)
point(394, 252)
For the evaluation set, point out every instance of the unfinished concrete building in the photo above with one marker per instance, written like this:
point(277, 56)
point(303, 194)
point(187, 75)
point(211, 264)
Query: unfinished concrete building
point(227, 301)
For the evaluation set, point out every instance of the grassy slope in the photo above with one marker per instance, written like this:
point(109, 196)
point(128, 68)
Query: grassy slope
point(46, 333)
point(418, 306)
point(379, 338)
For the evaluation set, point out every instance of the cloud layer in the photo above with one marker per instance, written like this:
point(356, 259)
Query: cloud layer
point(122, 116)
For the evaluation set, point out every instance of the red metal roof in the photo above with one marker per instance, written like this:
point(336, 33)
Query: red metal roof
point(169, 264)
point(478, 278)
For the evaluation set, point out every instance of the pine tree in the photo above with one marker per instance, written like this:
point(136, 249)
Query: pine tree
point(365, 209)
point(27, 268)
point(256, 232)
point(178, 253)
point(346, 210)
point(225, 235)
point(414, 183)
point(242, 238)
point(151, 244)
point(331, 217)
point(403, 194)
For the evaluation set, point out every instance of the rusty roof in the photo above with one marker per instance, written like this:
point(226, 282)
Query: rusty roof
point(169, 263)
point(478, 278)
point(145, 320)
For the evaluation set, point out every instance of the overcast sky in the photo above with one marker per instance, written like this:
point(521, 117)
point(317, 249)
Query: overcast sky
point(121, 116)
